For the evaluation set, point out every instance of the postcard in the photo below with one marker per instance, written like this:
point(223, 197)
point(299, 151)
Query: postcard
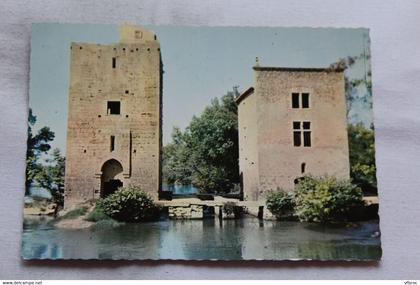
point(200, 143)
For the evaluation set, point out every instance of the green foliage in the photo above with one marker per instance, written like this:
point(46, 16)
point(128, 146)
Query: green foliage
point(354, 93)
point(97, 214)
point(229, 208)
point(362, 158)
point(129, 204)
point(37, 144)
point(281, 204)
point(73, 214)
point(176, 160)
point(50, 175)
point(326, 199)
point(206, 154)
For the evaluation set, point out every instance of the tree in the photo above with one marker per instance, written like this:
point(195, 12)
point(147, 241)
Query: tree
point(362, 157)
point(37, 145)
point(207, 153)
point(358, 90)
point(176, 167)
point(51, 176)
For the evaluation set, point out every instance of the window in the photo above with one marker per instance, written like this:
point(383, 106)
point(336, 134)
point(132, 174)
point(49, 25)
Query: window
point(302, 167)
point(114, 107)
point(305, 100)
point(295, 100)
point(302, 132)
point(300, 100)
point(296, 134)
point(114, 62)
point(112, 143)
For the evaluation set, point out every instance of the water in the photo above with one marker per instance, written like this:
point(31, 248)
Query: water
point(180, 189)
point(248, 238)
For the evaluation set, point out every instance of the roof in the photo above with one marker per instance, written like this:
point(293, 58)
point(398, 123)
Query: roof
point(245, 94)
point(297, 69)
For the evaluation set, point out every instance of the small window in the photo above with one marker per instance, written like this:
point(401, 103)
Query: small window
point(114, 107)
point(302, 168)
point(306, 125)
point(112, 143)
point(295, 100)
point(305, 100)
point(114, 62)
point(296, 125)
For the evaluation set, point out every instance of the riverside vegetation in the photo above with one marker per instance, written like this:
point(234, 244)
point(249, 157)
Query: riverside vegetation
point(318, 199)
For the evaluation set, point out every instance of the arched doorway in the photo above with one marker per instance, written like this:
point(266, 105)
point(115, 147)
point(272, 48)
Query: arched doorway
point(111, 177)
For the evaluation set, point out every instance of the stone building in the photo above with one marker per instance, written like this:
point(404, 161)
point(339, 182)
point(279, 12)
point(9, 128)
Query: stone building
point(114, 116)
point(292, 123)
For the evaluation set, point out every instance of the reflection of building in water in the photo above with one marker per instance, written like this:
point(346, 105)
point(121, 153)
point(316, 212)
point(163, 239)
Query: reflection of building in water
point(114, 118)
point(203, 239)
point(292, 123)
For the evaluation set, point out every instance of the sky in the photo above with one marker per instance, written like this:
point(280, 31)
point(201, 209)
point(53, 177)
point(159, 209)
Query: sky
point(199, 63)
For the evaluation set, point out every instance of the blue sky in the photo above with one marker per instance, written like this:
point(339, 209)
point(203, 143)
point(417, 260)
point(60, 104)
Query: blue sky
point(200, 63)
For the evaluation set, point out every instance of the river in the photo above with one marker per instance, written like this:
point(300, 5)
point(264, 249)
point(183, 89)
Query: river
point(248, 238)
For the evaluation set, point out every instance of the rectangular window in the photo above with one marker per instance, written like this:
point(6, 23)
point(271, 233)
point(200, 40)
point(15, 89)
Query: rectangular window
point(112, 144)
point(114, 108)
point(302, 133)
point(295, 100)
point(114, 62)
point(297, 134)
point(305, 100)
point(296, 138)
point(306, 138)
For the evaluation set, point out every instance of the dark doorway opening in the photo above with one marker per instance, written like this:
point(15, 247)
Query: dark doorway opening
point(111, 186)
point(111, 177)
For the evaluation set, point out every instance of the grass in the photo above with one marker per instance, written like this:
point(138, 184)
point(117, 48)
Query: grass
point(73, 214)
point(96, 215)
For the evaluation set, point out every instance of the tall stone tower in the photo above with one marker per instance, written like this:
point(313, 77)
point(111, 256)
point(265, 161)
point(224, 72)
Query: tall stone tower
point(293, 123)
point(114, 116)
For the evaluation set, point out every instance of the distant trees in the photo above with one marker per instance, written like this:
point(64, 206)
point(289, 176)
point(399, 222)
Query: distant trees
point(206, 153)
point(48, 171)
point(37, 144)
point(361, 136)
point(362, 158)
point(51, 176)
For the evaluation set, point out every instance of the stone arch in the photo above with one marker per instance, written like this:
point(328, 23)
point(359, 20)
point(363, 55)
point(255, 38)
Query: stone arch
point(111, 177)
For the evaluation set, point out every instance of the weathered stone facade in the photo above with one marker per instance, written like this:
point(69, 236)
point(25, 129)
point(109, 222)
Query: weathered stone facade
point(291, 124)
point(114, 116)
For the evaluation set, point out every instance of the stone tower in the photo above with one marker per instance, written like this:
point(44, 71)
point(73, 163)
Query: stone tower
point(293, 123)
point(114, 116)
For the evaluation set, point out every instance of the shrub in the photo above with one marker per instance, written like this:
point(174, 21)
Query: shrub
point(73, 214)
point(281, 204)
point(97, 214)
point(230, 208)
point(326, 199)
point(129, 204)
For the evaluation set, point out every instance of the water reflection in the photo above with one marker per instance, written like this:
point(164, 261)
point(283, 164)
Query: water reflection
point(248, 238)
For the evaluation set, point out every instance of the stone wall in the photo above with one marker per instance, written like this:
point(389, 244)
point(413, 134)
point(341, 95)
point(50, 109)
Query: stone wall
point(129, 73)
point(279, 161)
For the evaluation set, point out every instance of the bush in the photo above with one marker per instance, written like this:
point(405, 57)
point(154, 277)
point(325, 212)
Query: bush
point(129, 204)
point(97, 214)
point(230, 208)
point(326, 199)
point(281, 204)
point(73, 214)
